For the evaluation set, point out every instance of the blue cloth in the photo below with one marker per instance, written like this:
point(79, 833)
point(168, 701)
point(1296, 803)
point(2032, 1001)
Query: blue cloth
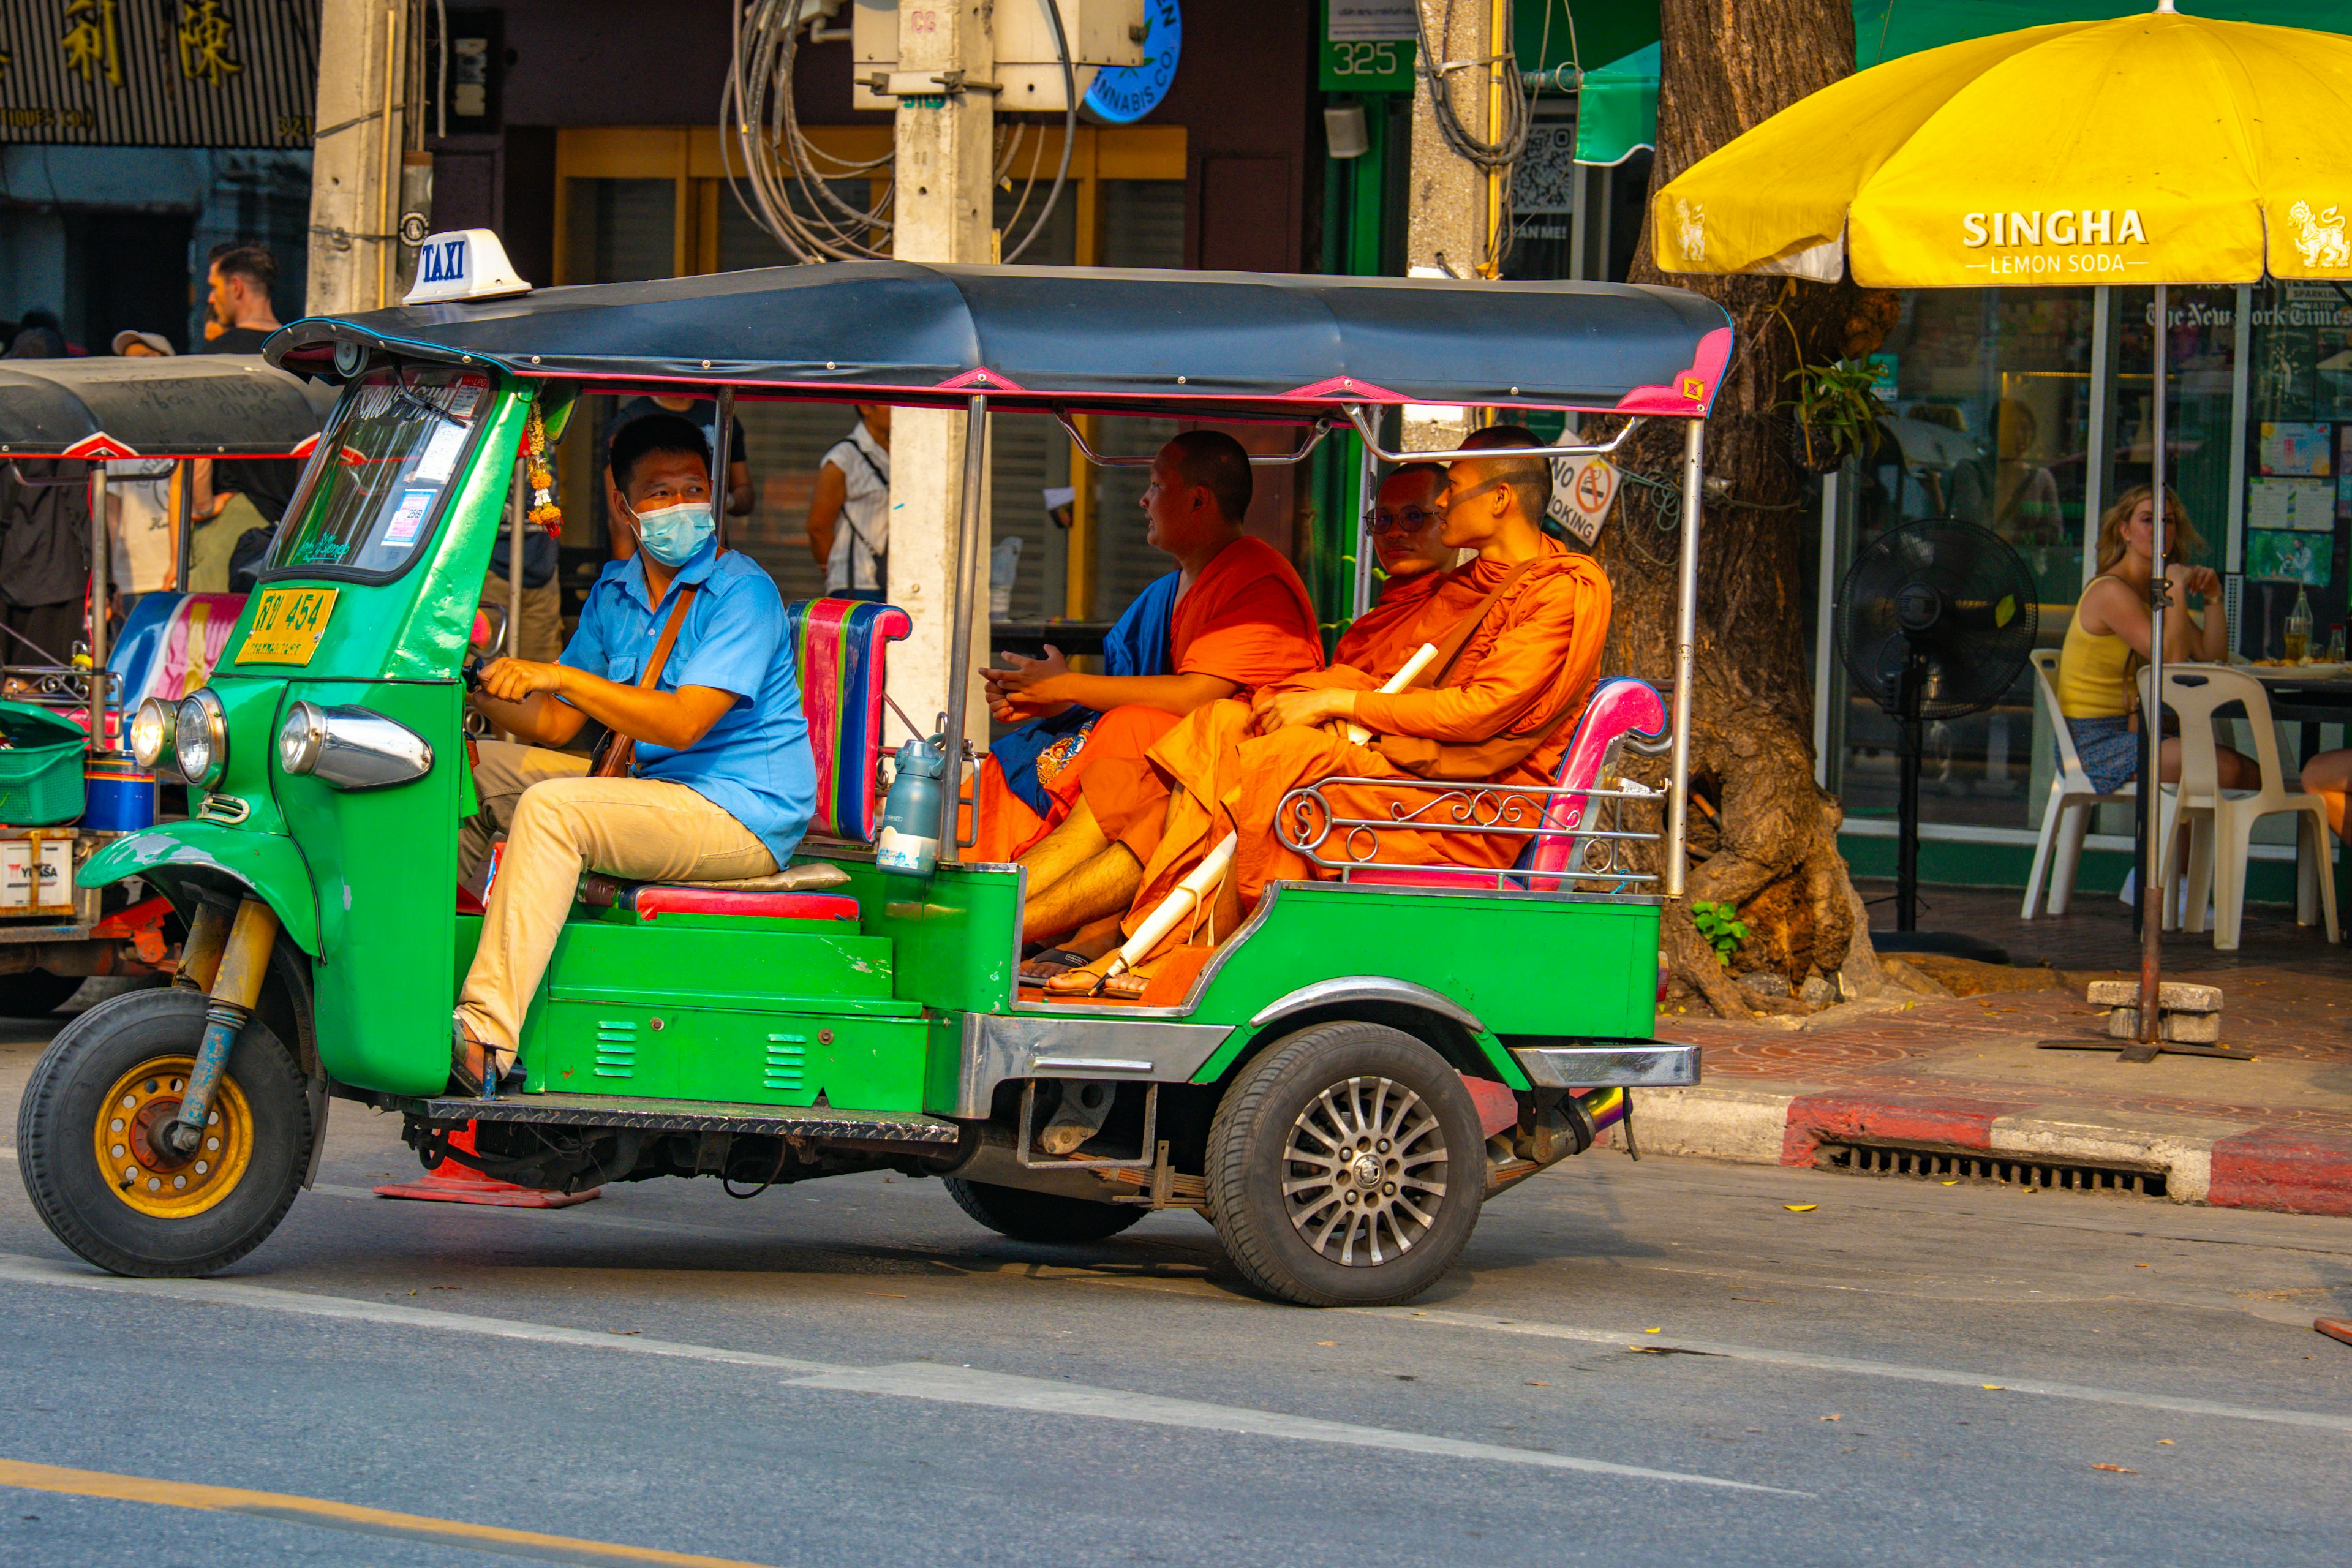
point(755, 764)
point(1137, 645)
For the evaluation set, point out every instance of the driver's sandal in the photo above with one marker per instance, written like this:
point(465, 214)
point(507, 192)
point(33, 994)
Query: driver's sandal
point(475, 1069)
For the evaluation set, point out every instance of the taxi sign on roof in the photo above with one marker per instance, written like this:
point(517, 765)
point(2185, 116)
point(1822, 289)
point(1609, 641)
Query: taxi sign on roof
point(463, 264)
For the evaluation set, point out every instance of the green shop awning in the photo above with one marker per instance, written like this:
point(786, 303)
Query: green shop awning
point(1617, 107)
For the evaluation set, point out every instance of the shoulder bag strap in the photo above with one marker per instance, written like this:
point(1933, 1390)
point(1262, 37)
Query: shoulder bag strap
point(620, 753)
point(1450, 650)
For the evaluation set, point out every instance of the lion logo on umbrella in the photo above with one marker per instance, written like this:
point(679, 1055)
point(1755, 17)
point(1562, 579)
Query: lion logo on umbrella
point(2320, 239)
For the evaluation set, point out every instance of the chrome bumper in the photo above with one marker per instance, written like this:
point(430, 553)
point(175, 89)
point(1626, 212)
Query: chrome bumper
point(1609, 1064)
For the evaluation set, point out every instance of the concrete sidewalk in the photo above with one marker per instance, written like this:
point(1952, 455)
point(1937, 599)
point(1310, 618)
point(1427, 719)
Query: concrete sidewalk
point(1966, 1075)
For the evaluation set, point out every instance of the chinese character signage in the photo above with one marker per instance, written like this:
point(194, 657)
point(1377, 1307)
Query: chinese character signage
point(159, 73)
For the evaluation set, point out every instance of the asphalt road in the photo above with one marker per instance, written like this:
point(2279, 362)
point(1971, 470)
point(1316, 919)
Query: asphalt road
point(1642, 1364)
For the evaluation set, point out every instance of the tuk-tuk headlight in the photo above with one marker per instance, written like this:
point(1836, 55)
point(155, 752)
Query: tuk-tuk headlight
point(151, 731)
point(200, 739)
point(351, 748)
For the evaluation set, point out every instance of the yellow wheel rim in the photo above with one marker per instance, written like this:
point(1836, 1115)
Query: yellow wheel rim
point(141, 1101)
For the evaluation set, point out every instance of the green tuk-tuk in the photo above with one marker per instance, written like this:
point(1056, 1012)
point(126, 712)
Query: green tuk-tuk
point(1336, 1099)
point(108, 427)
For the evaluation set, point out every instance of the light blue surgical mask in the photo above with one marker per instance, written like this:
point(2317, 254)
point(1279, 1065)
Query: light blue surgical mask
point(671, 534)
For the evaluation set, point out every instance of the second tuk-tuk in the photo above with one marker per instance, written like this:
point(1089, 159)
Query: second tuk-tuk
point(1338, 1090)
point(89, 419)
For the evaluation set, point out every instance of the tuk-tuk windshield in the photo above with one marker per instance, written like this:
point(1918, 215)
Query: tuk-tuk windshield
point(399, 437)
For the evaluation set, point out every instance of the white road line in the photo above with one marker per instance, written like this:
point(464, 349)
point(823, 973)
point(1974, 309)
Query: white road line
point(1811, 1361)
point(905, 1380)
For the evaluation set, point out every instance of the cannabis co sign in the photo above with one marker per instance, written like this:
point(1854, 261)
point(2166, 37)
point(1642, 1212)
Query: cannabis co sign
point(159, 73)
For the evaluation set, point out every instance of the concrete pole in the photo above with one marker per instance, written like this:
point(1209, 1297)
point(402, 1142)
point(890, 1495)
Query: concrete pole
point(355, 165)
point(1445, 211)
point(943, 208)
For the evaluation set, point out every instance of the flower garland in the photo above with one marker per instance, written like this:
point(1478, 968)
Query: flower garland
point(544, 512)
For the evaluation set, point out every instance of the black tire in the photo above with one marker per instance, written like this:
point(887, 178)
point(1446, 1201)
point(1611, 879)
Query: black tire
point(83, 1204)
point(1041, 1216)
point(1406, 1216)
point(36, 993)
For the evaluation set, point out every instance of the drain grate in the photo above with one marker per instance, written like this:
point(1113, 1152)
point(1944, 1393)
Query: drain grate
point(1995, 1170)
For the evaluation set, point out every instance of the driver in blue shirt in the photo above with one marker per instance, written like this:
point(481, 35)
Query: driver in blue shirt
point(721, 784)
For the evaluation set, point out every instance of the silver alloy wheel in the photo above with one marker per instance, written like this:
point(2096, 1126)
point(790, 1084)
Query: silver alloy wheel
point(1357, 1178)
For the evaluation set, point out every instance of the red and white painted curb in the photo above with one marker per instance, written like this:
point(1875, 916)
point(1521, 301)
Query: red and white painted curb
point(2223, 1163)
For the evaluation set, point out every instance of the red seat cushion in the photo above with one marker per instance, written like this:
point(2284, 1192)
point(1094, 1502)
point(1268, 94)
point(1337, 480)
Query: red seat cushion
point(677, 901)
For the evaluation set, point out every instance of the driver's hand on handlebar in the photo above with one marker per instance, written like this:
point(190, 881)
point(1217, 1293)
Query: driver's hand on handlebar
point(514, 680)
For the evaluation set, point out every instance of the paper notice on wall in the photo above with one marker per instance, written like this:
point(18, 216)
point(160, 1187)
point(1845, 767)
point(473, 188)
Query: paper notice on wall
point(1583, 488)
point(2304, 506)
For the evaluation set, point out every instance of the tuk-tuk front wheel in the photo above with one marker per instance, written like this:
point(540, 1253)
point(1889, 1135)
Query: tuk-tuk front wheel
point(1345, 1167)
point(89, 1147)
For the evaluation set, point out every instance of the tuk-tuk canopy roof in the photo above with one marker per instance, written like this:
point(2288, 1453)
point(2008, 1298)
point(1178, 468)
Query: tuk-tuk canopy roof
point(1082, 338)
point(202, 405)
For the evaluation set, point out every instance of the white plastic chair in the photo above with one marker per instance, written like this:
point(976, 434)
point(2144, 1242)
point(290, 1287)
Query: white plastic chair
point(2067, 816)
point(2220, 822)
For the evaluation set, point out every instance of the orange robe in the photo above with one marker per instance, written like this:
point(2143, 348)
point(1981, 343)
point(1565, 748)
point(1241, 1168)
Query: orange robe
point(1526, 673)
point(1377, 636)
point(1246, 618)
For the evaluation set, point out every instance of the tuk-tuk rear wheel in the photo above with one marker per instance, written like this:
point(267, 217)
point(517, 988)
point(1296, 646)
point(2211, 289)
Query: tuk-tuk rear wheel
point(1346, 1167)
point(130, 1214)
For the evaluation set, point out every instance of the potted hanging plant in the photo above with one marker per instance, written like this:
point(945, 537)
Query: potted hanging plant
point(1837, 414)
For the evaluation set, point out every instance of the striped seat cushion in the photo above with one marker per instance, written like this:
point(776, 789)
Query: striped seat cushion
point(838, 647)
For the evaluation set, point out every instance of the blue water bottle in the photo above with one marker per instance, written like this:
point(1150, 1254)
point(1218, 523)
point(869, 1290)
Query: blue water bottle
point(909, 838)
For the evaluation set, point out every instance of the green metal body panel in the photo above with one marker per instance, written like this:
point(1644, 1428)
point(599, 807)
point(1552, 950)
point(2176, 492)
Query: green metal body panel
point(268, 863)
point(1521, 965)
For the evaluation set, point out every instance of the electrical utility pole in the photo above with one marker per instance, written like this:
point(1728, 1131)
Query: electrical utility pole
point(942, 211)
point(355, 163)
point(1449, 209)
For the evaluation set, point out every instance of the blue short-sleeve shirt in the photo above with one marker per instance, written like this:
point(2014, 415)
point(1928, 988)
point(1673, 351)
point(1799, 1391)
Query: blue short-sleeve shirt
point(755, 764)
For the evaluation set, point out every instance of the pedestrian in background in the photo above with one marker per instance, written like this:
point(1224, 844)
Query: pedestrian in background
point(139, 511)
point(249, 494)
point(849, 517)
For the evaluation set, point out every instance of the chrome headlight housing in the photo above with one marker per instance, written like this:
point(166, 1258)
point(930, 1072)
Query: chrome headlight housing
point(351, 748)
point(200, 739)
point(151, 733)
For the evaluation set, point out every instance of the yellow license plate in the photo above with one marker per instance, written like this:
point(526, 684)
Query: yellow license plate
point(286, 625)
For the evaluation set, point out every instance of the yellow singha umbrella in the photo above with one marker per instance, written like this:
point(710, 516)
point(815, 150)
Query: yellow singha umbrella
point(2156, 149)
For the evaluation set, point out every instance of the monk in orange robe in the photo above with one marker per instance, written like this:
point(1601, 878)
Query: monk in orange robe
point(1521, 626)
point(1240, 618)
point(1406, 532)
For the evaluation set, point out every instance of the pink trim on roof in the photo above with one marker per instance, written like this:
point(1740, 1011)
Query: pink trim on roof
point(1345, 387)
point(981, 380)
point(1693, 391)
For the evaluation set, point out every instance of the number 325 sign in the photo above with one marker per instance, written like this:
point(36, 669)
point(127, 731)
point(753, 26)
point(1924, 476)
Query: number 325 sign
point(1368, 45)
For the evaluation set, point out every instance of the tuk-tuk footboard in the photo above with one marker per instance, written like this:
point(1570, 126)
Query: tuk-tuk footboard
point(570, 1143)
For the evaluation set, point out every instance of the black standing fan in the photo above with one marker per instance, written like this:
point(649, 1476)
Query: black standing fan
point(1935, 619)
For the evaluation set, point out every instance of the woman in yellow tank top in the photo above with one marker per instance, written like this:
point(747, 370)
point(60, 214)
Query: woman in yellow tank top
point(2107, 641)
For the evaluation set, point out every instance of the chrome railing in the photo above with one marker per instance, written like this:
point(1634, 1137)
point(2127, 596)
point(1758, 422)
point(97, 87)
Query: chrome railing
point(1598, 856)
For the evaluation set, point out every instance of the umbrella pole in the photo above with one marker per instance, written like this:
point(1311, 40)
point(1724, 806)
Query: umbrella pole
point(2151, 788)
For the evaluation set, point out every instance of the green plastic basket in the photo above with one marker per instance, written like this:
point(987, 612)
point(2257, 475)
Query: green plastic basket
point(40, 771)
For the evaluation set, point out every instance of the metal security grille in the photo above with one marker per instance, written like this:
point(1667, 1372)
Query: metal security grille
point(159, 73)
point(1995, 1170)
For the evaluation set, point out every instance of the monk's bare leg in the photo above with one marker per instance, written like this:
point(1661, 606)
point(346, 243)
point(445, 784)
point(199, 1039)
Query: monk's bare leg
point(1103, 886)
point(1077, 841)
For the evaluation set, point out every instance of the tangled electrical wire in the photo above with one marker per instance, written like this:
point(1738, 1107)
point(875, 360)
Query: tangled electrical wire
point(788, 181)
point(1499, 155)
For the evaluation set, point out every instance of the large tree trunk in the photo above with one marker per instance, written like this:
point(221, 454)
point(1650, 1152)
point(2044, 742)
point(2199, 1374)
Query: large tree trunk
point(1765, 838)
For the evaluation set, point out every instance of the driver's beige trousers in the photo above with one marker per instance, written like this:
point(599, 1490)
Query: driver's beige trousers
point(560, 824)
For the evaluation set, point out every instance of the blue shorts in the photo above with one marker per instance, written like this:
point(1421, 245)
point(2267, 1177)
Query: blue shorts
point(2109, 748)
